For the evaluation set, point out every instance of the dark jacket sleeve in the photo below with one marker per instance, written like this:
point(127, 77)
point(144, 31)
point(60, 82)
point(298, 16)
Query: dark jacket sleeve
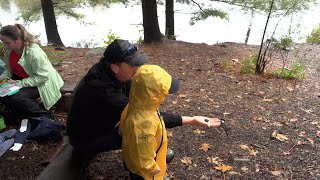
point(171, 120)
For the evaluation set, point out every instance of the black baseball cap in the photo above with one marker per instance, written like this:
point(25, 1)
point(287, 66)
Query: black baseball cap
point(123, 51)
point(174, 86)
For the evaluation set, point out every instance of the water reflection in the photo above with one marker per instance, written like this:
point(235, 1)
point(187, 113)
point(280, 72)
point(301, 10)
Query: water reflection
point(126, 22)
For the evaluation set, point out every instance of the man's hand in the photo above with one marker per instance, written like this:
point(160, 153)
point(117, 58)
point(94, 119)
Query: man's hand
point(201, 121)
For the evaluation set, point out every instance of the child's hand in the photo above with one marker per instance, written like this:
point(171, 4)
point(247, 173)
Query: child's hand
point(156, 171)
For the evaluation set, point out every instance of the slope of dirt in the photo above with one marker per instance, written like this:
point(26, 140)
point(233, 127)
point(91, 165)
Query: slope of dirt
point(211, 85)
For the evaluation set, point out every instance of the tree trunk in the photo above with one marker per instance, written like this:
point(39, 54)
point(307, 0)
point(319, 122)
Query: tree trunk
point(50, 23)
point(170, 19)
point(150, 21)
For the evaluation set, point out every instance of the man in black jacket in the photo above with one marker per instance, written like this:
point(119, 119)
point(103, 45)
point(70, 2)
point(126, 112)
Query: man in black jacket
point(101, 96)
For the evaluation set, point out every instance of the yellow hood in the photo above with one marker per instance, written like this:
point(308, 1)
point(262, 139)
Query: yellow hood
point(149, 87)
point(144, 137)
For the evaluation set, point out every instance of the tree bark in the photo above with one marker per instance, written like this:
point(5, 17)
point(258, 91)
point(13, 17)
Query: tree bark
point(50, 23)
point(150, 21)
point(170, 19)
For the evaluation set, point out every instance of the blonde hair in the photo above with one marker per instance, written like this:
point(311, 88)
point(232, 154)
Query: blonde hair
point(17, 31)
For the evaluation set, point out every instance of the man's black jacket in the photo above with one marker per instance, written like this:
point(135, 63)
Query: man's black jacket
point(98, 102)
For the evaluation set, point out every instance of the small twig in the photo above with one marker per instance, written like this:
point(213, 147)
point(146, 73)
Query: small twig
point(307, 112)
point(292, 147)
point(197, 4)
point(278, 112)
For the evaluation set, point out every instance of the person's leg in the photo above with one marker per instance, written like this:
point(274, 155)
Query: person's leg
point(108, 141)
point(135, 176)
point(24, 103)
point(84, 153)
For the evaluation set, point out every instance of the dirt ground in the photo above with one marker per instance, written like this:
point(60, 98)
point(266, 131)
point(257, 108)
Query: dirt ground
point(255, 107)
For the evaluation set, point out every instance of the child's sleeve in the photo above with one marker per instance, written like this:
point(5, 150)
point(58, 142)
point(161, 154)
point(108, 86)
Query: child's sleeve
point(146, 148)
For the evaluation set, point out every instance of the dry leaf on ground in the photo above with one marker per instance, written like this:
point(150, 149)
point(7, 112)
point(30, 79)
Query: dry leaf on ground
point(245, 147)
point(279, 136)
point(214, 160)
point(186, 160)
point(204, 147)
point(267, 100)
point(197, 131)
point(223, 168)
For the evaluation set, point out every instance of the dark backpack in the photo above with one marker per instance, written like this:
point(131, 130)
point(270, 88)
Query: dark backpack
point(43, 128)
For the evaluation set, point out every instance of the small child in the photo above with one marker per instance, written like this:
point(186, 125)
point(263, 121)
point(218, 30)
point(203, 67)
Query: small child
point(144, 137)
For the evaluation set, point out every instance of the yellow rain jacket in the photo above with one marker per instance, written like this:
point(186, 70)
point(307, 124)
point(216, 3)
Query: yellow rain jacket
point(144, 137)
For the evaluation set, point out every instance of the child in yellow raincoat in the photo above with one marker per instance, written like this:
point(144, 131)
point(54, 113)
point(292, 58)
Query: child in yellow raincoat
point(144, 137)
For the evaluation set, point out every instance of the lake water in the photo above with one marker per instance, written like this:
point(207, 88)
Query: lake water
point(126, 22)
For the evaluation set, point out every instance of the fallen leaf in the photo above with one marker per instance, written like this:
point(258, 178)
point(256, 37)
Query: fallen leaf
point(258, 118)
point(239, 97)
point(174, 102)
point(169, 133)
point(225, 113)
point(253, 152)
point(213, 160)
point(233, 173)
point(244, 146)
point(279, 136)
point(314, 123)
point(286, 153)
point(202, 90)
point(289, 89)
point(276, 173)
point(223, 168)
point(182, 96)
point(293, 120)
point(245, 169)
point(311, 140)
point(216, 106)
point(318, 133)
point(267, 100)
point(204, 147)
point(197, 131)
point(186, 160)
point(302, 134)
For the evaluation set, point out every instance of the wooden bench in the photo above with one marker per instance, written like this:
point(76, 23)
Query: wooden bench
point(65, 101)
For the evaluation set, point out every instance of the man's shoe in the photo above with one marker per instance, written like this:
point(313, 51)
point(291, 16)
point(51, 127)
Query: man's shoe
point(169, 156)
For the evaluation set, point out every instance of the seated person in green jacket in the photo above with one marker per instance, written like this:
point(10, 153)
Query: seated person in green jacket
point(29, 67)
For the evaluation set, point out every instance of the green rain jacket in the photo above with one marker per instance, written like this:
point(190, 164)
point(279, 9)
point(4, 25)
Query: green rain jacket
point(144, 137)
point(41, 73)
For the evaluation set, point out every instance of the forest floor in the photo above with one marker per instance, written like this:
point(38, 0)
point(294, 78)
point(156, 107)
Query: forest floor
point(274, 124)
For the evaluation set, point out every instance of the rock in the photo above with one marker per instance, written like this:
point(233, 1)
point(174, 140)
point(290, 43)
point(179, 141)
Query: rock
point(95, 52)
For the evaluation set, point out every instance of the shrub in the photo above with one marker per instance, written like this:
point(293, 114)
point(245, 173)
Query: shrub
point(295, 72)
point(248, 65)
point(314, 37)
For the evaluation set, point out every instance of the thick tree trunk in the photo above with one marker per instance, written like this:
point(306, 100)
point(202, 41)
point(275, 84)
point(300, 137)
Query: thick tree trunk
point(50, 23)
point(170, 19)
point(150, 21)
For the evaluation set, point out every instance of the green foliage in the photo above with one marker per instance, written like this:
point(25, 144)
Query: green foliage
point(285, 43)
point(204, 14)
point(31, 10)
point(110, 38)
point(281, 7)
point(248, 65)
point(314, 37)
point(295, 72)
